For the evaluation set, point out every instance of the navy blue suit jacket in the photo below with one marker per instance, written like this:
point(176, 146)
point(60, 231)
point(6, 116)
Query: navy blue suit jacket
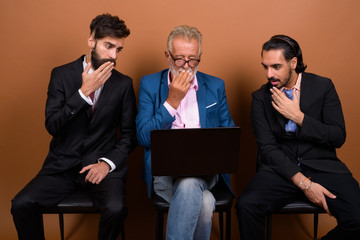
point(154, 89)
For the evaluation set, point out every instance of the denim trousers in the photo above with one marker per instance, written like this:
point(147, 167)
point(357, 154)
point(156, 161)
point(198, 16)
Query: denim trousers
point(191, 205)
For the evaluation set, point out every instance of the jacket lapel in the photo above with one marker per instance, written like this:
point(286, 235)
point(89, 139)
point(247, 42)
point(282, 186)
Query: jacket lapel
point(164, 88)
point(201, 98)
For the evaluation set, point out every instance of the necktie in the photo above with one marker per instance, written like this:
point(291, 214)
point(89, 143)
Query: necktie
point(92, 96)
point(290, 126)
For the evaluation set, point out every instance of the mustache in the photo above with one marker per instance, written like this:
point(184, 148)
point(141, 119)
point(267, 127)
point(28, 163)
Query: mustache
point(100, 62)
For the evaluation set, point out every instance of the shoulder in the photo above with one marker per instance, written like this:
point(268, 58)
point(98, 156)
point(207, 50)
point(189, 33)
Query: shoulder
point(153, 80)
point(209, 80)
point(264, 89)
point(71, 66)
point(315, 81)
point(121, 77)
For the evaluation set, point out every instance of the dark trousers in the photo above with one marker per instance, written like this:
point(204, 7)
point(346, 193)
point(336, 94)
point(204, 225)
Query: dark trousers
point(48, 190)
point(268, 190)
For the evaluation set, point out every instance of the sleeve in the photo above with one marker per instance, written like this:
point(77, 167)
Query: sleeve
point(269, 149)
point(127, 140)
point(329, 128)
point(225, 116)
point(152, 114)
point(61, 110)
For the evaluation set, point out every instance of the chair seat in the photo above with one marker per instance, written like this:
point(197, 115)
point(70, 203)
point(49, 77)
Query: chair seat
point(224, 200)
point(300, 206)
point(77, 202)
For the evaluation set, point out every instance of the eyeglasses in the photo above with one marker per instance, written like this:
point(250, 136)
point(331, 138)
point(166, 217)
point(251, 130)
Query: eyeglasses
point(180, 62)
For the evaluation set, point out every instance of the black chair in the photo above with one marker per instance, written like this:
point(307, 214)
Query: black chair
point(296, 207)
point(78, 202)
point(224, 199)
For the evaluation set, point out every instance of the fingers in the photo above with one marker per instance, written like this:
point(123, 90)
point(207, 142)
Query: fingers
point(84, 169)
point(96, 173)
point(87, 68)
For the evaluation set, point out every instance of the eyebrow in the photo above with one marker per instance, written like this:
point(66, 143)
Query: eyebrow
point(272, 65)
point(113, 45)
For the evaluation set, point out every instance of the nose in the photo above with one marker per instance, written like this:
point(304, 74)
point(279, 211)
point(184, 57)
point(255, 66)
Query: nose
point(269, 73)
point(113, 54)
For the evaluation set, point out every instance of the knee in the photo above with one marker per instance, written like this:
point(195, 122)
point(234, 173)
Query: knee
point(114, 209)
point(20, 203)
point(208, 201)
point(246, 202)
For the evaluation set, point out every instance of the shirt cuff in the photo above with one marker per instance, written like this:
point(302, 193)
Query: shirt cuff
point(111, 164)
point(170, 109)
point(87, 99)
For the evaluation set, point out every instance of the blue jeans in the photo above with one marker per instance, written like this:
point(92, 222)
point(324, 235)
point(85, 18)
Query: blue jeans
point(191, 206)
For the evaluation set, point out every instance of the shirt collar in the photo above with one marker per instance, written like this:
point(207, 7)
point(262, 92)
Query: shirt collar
point(297, 84)
point(193, 84)
point(85, 64)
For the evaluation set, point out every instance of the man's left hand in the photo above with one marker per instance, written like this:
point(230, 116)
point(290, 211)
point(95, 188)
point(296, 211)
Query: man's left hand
point(96, 172)
point(290, 109)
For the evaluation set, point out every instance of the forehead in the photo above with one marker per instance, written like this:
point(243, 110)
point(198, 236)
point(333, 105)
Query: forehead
point(272, 57)
point(181, 46)
point(117, 42)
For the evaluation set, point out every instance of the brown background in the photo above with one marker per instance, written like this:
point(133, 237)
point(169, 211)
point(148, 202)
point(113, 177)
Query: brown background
point(39, 35)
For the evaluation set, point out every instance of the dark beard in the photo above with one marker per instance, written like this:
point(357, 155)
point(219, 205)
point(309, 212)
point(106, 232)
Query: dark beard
point(96, 61)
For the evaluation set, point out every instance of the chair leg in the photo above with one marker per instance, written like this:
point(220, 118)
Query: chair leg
point(221, 225)
point(61, 223)
point(316, 221)
point(228, 224)
point(268, 226)
point(123, 232)
point(159, 225)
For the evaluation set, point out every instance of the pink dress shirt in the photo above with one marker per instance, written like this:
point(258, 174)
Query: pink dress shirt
point(187, 114)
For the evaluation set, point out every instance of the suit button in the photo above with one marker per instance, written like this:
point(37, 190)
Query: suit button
point(299, 158)
point(72, 113)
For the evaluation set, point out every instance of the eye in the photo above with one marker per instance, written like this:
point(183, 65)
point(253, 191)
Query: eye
point(118, 49)
point(276, 67)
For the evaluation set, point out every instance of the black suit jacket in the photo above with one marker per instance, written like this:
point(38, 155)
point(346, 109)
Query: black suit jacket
point(80, 136)
point(314, 143)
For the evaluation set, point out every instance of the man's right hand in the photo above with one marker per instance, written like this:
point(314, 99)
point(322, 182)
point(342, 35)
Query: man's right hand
point(178, 88)
point(91, 82)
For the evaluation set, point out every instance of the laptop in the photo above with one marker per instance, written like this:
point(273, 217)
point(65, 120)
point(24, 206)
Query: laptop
point(194, 151)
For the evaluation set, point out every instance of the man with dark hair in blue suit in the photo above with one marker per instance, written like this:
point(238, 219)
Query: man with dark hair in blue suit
point(182, 97)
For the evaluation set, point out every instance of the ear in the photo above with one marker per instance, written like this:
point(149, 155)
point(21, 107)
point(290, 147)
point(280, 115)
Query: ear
point(293, 63)
point(91, 42)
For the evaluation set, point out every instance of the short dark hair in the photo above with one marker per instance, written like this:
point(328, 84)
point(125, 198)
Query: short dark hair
point(105, 25)
point(289, 47)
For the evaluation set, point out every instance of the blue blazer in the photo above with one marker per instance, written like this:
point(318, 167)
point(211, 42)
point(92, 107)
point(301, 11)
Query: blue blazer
point(153, 92)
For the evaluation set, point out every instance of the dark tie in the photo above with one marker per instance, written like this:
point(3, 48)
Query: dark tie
point(92, 96)
point(290, 126)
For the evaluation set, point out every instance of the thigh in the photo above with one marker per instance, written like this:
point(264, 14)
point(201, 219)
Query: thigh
point(110, 193)
point(346, 206)
point(269, 190)
point(47, 190)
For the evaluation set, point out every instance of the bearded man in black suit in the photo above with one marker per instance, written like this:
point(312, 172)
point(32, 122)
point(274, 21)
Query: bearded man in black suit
point(298, 124)
point(88, 102)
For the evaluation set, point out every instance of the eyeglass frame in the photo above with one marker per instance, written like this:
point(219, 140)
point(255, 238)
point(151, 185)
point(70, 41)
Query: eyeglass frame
point(185, 62)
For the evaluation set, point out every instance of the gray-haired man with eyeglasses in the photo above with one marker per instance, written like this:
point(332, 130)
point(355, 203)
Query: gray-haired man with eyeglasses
point(182, 97)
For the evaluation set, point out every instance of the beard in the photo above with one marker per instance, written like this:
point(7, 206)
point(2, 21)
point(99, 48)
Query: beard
point(97, 61)
point(176, 73)
point(278, 80)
